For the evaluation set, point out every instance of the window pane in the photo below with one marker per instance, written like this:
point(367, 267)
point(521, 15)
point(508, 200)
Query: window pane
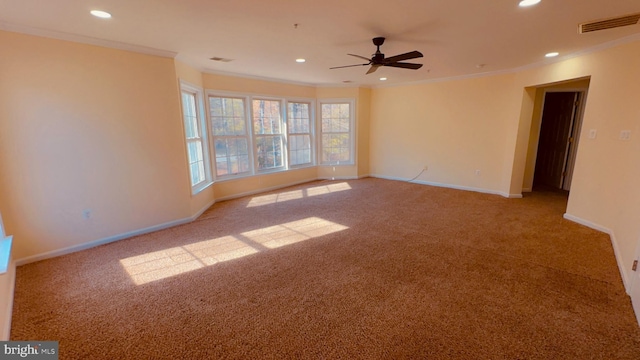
point(335, 118)
point(266, 117)
point(232, 156)
point(299, 118)
point(300, 147)
point(335, 147)
point(195, 140)
point(195, 151)
point(336, 133)
point(269, 152)
point(190, 115)
point(227, 116)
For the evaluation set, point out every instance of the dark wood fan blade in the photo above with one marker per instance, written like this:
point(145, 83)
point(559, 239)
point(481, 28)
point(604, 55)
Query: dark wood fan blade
point(346, 66)
point(373, 68)
point(405, 56)
point(361, 57)
point(405, 65)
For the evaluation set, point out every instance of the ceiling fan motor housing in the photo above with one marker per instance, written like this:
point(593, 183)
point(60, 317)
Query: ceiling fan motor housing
point(378, 41)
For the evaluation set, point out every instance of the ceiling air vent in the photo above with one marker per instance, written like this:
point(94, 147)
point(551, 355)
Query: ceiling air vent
point(215, 58)
point(609, 23)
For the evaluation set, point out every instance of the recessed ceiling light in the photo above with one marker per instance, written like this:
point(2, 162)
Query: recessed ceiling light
point(525, 3)
point(552, 54)
point(383, 78)
point(101, 14)
point(300, 60)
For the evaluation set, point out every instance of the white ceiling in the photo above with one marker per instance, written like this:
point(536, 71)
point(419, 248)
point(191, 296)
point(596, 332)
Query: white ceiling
point(455, 36)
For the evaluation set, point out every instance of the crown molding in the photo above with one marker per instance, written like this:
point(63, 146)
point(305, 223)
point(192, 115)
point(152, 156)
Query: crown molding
point(85, 40)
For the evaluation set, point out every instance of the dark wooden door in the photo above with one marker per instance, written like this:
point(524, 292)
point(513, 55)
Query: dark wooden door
point(553, 145)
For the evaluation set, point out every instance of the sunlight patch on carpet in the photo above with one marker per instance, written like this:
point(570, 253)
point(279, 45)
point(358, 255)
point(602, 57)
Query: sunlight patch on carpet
point(166, 263)
point(297, 194)
point(284, 234)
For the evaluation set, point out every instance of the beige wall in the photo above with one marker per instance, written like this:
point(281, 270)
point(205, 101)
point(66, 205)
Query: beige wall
point(256, 86)
point(189, 74)
point(454, 127)
point(255, 184)
point(363, 117)
point(86, 127)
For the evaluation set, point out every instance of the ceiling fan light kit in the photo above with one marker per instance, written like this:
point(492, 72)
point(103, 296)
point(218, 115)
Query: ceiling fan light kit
point(377, 60)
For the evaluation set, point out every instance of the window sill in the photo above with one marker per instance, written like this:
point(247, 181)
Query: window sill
point(197, 189)
point(334, 164)
point(5, 253)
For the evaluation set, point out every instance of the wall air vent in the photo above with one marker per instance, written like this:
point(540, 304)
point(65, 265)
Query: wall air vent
point(220, 59)
point(609, 23)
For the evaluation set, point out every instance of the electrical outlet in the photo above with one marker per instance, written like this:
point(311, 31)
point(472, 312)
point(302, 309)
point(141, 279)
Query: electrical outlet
point(625, 134)
point(425, 168)
point(477, 172)
point(593, 133)
point(86, 214)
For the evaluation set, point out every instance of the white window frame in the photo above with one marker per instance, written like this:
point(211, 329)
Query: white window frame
point(282, 135)
point(351, 132)
point(251, 137)
point(201, 137)
point(311, 133)
point(247, 135)
point(5, 249)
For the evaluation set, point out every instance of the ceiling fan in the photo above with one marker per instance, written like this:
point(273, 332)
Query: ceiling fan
point(378, 59)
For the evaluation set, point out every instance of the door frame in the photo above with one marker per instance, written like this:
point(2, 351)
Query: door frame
point(570, 158)
point(576, 128)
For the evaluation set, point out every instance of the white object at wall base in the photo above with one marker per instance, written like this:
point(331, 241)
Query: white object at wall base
point(7, 289)
point(614, 244)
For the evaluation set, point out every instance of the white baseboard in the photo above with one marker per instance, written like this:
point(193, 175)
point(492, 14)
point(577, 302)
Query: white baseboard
point(5, 327)
point(92, 244)
point(339, 178)
point(450, 186)
point(201, 211)
point(110, 239)
point(614, 244)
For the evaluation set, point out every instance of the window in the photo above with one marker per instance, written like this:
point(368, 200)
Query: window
point(299, 129)
point(5, 249)
point(269, 135)
point(195, 133)
point(230, 136)
point(253, 134)
point(337, 145)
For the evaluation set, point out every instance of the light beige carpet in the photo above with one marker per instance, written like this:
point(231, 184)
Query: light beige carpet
point(363, 269)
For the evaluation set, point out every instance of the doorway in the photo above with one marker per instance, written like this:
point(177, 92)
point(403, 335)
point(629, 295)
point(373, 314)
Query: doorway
point(558, 139)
